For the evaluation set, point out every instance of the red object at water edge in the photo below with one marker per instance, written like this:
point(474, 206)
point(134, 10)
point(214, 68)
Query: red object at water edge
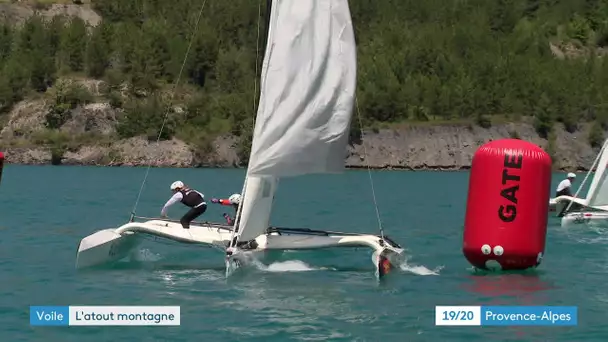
point(1, 165)
point(506, 219)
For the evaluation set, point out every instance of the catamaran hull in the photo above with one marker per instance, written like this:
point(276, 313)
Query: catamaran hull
point(555, 205)
point(105, 246)
point(559, 204)
point(111, 245)
point(387, 252)
point(595, 219)
point(299, 242)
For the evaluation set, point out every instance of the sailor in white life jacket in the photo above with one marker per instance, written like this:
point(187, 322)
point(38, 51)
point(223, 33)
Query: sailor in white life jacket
point(563, 188)
point(190, 198)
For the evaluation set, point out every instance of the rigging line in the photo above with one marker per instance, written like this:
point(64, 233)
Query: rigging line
point(160, 132)
point(237, 220)
point(369, 171)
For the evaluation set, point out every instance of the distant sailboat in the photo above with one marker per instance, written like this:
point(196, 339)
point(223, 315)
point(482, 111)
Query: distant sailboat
point(593, 208)
point(307, 96)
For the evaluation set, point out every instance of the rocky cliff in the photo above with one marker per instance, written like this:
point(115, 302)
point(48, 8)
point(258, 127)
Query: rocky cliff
point(18, 11)
point(451, 147)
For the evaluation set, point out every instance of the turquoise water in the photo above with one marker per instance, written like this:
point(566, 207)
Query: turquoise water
point(330, 295)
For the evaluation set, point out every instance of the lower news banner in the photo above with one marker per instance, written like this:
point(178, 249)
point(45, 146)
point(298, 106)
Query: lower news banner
point(506, 315)
point(104, 315)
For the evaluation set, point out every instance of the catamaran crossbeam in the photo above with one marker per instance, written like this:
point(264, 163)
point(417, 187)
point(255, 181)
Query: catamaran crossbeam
point(304, 238)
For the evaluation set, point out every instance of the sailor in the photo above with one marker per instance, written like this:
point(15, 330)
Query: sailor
point(189, 197)
point(563, 188)
point(234, 200)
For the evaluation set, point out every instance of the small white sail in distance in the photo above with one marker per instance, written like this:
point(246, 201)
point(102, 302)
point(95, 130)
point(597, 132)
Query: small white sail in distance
point(306, 102)
point(597, 195)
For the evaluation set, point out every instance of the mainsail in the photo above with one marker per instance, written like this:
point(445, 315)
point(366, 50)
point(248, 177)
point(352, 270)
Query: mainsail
point(306, 100)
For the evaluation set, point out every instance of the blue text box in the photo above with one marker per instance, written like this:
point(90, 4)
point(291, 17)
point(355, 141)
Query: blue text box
point(49, 315)
point(529, 315)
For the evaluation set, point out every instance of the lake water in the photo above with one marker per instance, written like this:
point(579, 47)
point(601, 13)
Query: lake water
point(329, 295)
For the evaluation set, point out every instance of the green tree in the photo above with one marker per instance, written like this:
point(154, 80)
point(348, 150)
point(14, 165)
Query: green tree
point(98, 52)
point(6, 42)
point(596, 135)
point(74, 44)
point(34, 53)
point(470, 61)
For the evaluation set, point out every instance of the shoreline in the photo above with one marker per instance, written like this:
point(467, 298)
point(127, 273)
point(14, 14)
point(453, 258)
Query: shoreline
point(409, 147)
point(346, 167)
point(10, 160)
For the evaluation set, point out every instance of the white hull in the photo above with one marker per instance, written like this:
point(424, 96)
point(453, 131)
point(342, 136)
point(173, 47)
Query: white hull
point(110, 245)
point(558, 204)
point(302, 239)
point(105, 246)
point(589, 218)
point(387, 251)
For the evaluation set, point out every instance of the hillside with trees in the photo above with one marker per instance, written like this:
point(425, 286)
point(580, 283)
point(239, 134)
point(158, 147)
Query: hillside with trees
point(473, 61)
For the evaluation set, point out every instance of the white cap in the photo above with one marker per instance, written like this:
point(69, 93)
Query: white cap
point(177, 185)
point(571, 175)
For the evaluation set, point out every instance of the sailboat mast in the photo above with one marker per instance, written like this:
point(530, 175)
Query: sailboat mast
point(237, 221)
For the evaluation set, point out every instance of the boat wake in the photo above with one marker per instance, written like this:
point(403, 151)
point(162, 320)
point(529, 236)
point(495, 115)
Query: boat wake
point(586, 234)
point(145, 255)
point(601, 240)
point(300, 266)
point(290, 266)
point(420, 270)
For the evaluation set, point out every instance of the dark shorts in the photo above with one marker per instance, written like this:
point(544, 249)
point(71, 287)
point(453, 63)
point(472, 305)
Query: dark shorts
point(192, 214)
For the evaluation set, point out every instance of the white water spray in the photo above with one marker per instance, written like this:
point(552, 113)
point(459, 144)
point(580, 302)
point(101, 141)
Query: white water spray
point(404, 265)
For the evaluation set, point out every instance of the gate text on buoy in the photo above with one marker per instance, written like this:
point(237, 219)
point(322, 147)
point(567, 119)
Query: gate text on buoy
point(507, 205)
point(509, 212)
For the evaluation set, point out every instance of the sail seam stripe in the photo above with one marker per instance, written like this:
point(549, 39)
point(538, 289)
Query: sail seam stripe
point(181, 70)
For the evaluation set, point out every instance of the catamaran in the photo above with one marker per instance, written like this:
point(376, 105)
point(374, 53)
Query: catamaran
point(305, 109)
point(593, 208)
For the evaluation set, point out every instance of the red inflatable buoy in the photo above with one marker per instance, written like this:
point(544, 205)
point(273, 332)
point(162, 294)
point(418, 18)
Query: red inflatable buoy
point(506, 220)
point(1, 165)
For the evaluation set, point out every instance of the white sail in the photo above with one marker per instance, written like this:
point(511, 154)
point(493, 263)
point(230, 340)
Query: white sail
point(256, 206)
point(307, 93)
point(597, 196)
point(307, 90)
